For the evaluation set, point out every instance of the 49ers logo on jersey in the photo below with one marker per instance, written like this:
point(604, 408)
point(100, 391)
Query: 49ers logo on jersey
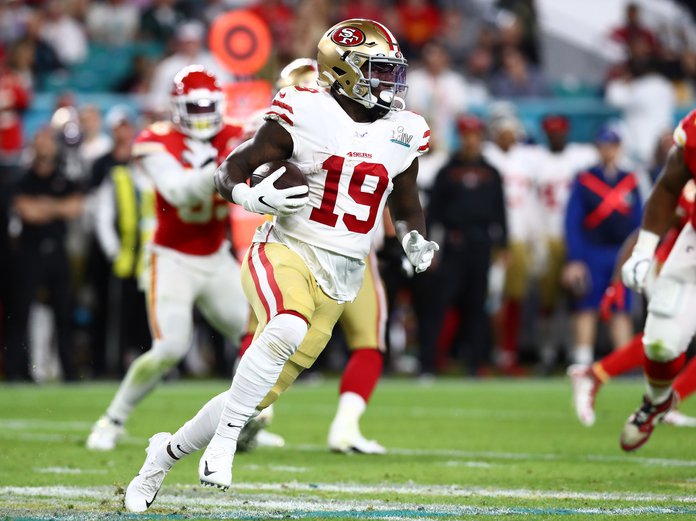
point(348, 36)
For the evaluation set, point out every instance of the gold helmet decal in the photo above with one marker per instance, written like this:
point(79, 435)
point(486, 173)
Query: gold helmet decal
point(362, 60)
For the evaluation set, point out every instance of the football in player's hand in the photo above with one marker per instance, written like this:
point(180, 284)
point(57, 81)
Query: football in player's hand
point(292, 176)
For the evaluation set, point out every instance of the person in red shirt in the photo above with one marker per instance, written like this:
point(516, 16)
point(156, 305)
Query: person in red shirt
point(419, 21)
point(191, 264)
point(14, 98)
point(633, 28)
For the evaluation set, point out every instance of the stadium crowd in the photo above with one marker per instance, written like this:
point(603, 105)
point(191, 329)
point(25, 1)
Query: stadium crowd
point(512, 280)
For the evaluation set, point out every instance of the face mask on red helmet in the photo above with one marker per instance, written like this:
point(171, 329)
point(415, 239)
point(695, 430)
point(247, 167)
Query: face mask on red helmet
point(197, 102)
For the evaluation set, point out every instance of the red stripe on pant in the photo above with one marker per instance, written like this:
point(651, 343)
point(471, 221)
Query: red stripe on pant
point(270, 276)
point(257, 284)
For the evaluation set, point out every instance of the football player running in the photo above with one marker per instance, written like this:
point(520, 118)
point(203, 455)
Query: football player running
point(363, 322)
point(588, 380)
point(357, 146)
point(190, 264)
point(671, 322)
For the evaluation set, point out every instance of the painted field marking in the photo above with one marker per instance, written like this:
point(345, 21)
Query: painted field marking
point(67, 470)
point(521, 456)
point(371, 490)
point(259, 506)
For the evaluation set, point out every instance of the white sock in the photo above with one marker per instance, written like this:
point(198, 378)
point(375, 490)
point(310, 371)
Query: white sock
point(196, 433)
point(143, 375)
point(583, 355)
point(657, 395)
point(351, 407)
point(258, 371)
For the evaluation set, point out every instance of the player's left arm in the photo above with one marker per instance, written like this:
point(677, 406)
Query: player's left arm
point(405, 207)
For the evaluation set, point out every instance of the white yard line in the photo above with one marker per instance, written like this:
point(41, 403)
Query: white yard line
point(25, 424)
point(412, 489)
point(66, 470)
point(522, 456)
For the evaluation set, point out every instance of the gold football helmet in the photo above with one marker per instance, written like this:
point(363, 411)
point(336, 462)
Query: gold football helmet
point(301, 72)
point(357, 57)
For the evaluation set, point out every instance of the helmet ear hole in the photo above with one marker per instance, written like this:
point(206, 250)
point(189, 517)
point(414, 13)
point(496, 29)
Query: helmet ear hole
point(338, 71)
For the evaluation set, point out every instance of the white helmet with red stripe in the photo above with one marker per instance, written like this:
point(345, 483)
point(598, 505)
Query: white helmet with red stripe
point(197, 102)
point(362, 60)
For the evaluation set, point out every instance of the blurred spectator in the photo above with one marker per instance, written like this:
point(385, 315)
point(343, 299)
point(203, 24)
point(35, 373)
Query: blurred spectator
point(313, 17)
point(121, 202)
point(478, 71)
point(558, 167)
point(466, 215)
point(518, 164)
point(438, 93)
point(518, 27)
point(45, 59)
point(418, 22)
point(13, 19)
point(280, 18)
point(633, 29)
point(189, 51)
point(347, 9)
point(459, 34)
point(63, 33)
point(664, 145)
point(14, 99)
point(95, 143)
point(160, 20)
point(66, 125)
point(140, 77)
point(685, 89)
point(44, 201)
point(646, 100)
point(112, 22)
point(603, 209)
point(518, 79)
point(21, 61)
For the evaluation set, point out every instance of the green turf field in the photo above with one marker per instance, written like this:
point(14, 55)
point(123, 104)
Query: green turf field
point(459, 450)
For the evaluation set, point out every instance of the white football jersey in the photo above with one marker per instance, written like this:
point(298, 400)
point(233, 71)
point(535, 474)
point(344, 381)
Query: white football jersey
point(557, 170)
point(518, 167)
point(349, 166)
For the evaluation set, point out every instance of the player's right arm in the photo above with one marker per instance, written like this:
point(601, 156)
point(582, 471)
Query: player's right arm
point(657, 217)
point(270, 143)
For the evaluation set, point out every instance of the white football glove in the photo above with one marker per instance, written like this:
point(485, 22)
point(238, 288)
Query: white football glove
point(635, 270)
point(264, 198)
point(419, 251)
point(199, 154)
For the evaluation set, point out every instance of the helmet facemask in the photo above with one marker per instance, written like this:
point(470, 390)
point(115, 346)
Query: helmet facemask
point(381, 81)
point(198, 114)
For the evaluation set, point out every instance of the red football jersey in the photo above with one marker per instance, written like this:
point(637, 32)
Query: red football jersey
point(685, 138)
point(197, 230)
point(685, 210)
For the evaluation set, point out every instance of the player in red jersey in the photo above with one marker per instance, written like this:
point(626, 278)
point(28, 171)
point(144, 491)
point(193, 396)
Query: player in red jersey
point(191, 264)
point(587, 381)
point(671, 322)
